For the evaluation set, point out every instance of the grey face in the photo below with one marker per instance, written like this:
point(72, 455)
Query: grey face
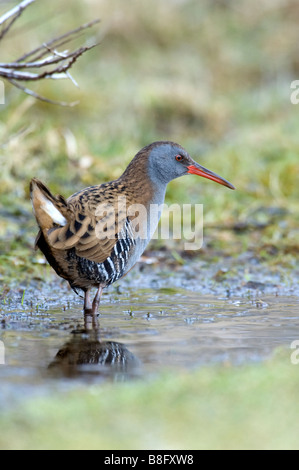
point(168, 161)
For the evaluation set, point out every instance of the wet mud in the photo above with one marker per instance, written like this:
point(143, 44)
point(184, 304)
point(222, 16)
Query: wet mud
point(156, 319)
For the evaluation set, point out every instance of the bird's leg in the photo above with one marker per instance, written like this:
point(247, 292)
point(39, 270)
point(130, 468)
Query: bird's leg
point(87, 302)
point(90, 309)
point(96, 300)
point(91, 323)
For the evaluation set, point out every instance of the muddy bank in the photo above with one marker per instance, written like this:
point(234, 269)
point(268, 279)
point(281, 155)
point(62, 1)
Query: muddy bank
point(166, 271)
point(168, 314)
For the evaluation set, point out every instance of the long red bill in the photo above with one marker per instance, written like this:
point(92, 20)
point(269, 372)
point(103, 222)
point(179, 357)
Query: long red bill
point(201, 171)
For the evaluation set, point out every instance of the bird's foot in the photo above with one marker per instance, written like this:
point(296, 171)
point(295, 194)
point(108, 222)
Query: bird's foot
point(96, 300)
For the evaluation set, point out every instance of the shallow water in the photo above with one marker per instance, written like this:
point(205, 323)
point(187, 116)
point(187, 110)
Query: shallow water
point(139, 335)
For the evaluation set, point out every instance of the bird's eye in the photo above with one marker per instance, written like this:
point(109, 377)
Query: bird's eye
point(179, 158)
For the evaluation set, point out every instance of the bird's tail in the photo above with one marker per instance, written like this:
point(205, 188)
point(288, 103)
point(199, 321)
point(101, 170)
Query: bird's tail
point(50, 211)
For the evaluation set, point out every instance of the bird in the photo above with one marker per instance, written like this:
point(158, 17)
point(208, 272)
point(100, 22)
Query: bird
point(97, 235)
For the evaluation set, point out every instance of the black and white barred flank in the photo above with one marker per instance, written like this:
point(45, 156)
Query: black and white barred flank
point(114, 267)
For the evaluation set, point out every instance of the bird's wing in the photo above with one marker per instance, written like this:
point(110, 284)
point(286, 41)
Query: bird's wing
point(91, 221)
point(94, 227)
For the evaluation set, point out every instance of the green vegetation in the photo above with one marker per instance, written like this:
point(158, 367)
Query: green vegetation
point(213, 77)
point(250, 407)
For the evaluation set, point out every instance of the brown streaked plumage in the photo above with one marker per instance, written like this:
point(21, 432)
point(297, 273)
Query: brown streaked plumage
point(93, 239)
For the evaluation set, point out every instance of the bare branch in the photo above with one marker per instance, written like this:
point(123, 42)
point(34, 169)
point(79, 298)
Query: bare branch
point(52, 63)
point(59, 41)
point(15, 11)
point(40, 97)
point(56, 73)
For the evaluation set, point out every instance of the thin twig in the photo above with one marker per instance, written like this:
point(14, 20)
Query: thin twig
point(15, 10)
point(7, 28)
point(40, 97)
point(66, 36)
point(37, 64)
point(53, 64)
point(56, 73)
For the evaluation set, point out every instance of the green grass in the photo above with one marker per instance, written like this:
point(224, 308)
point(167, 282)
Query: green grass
point(206, 75)
point(209, 76)
point(218, 407)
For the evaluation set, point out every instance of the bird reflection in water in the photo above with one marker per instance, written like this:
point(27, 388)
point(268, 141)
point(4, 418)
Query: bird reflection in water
point(85, 354)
